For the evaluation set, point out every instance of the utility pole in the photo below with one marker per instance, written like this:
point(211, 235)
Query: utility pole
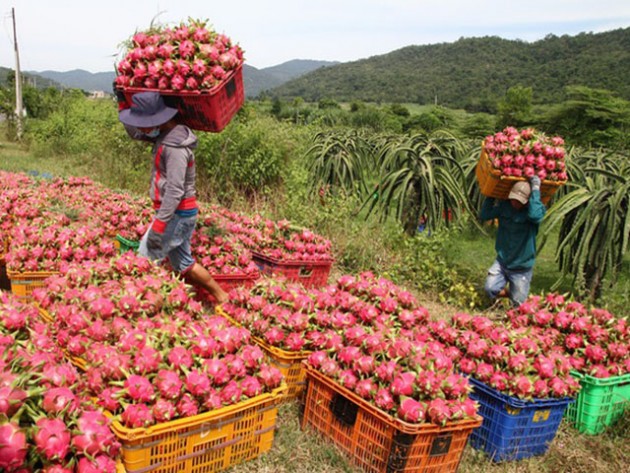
point(18, 81)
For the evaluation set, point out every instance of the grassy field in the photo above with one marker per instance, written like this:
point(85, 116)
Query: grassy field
point(297, 451)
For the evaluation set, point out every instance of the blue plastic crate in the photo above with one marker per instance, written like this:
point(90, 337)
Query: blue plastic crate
point(512, 428)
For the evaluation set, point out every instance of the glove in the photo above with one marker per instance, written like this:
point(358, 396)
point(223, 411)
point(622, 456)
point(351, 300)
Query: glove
point(534, 181)
point(154, 240)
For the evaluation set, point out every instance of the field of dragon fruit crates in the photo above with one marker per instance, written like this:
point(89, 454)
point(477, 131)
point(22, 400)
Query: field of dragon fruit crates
point(110, 362)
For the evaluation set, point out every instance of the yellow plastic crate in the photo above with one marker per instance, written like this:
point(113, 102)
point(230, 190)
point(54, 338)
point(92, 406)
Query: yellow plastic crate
point(205, 443)
point(493, 184)
point(23, 283)
point(75, 360)
point(288, 362)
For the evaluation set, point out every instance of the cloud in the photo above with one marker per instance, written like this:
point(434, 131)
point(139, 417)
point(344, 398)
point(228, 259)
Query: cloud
point(69, 34)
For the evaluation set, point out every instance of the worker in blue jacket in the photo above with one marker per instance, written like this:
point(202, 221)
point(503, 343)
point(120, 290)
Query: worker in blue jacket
point(519, 218)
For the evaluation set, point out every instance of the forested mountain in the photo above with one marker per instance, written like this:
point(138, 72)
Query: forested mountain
point(474, 72)
point(258, 80)
point(28, 78)
point(254, 80)
point(81, 79)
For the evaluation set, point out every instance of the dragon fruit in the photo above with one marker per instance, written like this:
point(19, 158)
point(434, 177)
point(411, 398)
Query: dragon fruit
point(516, 153)
point(52, 438)
point(12, 446)
point(411, 410)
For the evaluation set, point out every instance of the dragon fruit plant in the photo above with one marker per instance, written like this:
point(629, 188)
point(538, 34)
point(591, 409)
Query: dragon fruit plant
point(46, 423)
point(190, 56)
point(596, 342)
point(518, 362)
point(527, 153)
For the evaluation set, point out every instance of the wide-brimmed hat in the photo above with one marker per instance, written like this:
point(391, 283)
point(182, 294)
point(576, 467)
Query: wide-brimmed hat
point(147, 110)
point(520, 191)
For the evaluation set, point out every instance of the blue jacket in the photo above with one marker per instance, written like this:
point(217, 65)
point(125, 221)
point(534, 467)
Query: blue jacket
point(516, 237)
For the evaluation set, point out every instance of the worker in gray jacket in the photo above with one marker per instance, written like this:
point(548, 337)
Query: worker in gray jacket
point(172, 187)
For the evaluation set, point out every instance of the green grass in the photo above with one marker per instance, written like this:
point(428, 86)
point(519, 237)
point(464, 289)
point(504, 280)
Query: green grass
point(297, 451)
point(16, 158)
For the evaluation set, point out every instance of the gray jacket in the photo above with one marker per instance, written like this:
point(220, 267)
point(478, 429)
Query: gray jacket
point(173, 175)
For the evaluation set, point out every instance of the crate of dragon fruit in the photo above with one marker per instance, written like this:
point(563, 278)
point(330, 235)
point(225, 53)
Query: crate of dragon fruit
point(23, 283)
point(288, 362)
point(511, 156)
point(196, 70)
point(209, 442)
point(600, 403)
point(227, 282)
point(374, 440)
point(514, 428)
point(307, 273)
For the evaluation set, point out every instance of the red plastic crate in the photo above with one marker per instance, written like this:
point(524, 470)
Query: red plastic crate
point(204, 110)
point(227, 283)
point(307, 273)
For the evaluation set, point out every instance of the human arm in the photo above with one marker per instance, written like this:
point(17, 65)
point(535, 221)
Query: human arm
point(536, 209)
point(489, 209)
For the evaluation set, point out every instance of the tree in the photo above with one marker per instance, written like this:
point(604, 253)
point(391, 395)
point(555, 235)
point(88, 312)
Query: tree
point(276, 107)
point(515, 108)
point(591, 117)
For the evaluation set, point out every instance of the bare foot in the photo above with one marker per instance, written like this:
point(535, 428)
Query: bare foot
point(221, 298)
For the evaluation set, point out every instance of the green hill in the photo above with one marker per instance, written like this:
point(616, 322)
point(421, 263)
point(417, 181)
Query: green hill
point(32, 79)
point(473, 72)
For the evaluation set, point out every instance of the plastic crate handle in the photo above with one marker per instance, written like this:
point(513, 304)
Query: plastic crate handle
point(306, 271)
point(230, 88)
point(441, 445)
point(344, 410)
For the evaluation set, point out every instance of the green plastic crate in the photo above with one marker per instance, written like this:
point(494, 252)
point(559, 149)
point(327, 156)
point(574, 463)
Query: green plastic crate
point(127, 245)
point(600, 403)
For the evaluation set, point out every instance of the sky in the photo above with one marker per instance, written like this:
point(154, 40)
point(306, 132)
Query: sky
point(63, 35)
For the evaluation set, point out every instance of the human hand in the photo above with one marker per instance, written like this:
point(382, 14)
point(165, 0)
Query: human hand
point(534, 181)
point(154, 240)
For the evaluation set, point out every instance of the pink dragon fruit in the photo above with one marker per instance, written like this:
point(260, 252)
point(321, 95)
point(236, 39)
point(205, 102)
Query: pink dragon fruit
point(137, 415)
point(411, 410)
point(347, 378)
point(403, 384)
point(139, 388)
point(438, 411)
point(52, 438)
point(13, 447)
point(169, 384)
